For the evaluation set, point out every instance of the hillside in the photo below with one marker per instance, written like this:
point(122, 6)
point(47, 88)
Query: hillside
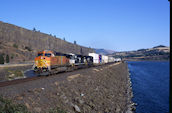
point(22, 44)
point(155, 53)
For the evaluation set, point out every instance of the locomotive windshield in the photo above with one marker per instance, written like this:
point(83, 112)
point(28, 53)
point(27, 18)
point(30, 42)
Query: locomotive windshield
point(40, 54)
point(48, 54)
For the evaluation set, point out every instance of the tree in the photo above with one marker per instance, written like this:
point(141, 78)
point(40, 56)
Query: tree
point(64, 38)
point(1, 59)
point(34, 29)
point(7, 58)
point(74, 42)
point(15, 45)
point(28, 48)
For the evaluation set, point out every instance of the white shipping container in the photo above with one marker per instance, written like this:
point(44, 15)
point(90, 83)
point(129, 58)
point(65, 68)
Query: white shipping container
point(111, 59)
point(117, 59)
point(104, 59)
point(95, 57)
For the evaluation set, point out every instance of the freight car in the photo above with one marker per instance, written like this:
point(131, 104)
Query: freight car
point(110, 59)
point(76, 59)
point(51, 62)
point(97, 58)
point(104, 59)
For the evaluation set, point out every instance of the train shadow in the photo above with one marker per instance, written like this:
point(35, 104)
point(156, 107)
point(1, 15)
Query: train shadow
point(30, 73)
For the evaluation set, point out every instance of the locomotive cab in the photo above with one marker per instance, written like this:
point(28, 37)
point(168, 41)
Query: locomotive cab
point(48, 60)
point(43, 60)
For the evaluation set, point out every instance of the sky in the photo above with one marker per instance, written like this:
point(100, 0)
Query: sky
point(119, 25)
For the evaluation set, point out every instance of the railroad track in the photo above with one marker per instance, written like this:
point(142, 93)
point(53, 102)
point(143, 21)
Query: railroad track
point(18, 81)
point(42, 75)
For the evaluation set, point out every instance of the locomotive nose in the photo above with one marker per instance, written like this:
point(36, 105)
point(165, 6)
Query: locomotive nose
point(41, 62)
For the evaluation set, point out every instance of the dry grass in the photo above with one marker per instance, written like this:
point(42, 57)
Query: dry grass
point(69, 78)
point(14, 65)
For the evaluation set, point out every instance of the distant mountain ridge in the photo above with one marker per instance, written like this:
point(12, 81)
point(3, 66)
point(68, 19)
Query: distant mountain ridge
point(103, 51)
point(156, 53)
point(160, 46)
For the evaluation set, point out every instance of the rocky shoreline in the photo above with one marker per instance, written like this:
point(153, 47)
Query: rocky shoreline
point(131, 105)
point(102, 89)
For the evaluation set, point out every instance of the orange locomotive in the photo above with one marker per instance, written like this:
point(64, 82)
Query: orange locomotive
point(47, 60)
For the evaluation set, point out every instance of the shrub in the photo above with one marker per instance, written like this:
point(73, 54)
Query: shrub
point(34, 29)
point(75, 42)
point(12, 74)
point(28, 48)
point(57, 110)
point(6, 106)
point(12, 56)
point(15, 45)
point(18, 73)
point(1, 59)
point(7, 59)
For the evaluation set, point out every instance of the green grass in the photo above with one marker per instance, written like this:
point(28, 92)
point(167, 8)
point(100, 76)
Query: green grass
point(6, 106)
point(12, 74)
point(57, 110)
point(18, 73)
point(15, 45)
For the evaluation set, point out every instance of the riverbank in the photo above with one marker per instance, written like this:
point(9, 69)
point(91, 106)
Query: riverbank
point(92, 90)
point(131, 106)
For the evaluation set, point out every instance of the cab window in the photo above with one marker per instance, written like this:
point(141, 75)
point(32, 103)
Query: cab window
point(48, 54)
point(40, 54)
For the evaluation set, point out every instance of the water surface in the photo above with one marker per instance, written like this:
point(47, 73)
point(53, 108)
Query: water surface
point(150, 83)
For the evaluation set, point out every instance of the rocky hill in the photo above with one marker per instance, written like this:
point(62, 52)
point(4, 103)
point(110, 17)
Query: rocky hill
point(21, 44)
point(156, 53)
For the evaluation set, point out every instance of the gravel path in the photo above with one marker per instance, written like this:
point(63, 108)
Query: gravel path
point(100, 89)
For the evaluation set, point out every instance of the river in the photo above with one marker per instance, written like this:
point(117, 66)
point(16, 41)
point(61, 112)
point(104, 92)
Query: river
point(150, 84)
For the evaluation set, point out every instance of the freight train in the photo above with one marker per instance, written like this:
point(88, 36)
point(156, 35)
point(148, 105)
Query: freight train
point(48, 61)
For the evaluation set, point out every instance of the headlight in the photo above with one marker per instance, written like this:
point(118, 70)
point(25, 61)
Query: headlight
point(36, 62)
